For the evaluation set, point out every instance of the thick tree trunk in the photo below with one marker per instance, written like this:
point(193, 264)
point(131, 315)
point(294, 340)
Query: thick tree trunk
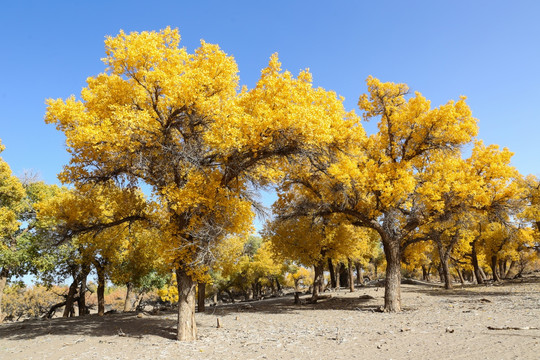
point(392, 287)
point(278, 285)
point(201, 295)
point(100, 269)
point(425, 273)
point(502, 268)
point(359, 273)
point(494, 268)
point(476, 266)
point(511, 268)
point(82, 292)
point(70, 299)
point(343, 276)
point(444, 256)
point(127, 302)
point(333, 282)
point(318, 280)
point(187, 328)
point(3, 281)
point(351, 275)
point(446, 272)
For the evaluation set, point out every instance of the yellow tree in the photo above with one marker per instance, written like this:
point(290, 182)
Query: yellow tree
point(378, 185)
point(11, 195)
point(497, 195)
point(311, 241)
point(176, 122)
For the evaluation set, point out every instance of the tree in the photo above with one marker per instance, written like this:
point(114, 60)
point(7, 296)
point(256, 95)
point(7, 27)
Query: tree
point(176, 122)
point(11, 195)
point(379, 183)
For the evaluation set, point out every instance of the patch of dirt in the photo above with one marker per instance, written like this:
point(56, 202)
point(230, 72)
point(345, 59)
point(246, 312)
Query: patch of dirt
point(435, 323)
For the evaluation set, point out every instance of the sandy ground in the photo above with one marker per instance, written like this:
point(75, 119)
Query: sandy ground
point(435, 324)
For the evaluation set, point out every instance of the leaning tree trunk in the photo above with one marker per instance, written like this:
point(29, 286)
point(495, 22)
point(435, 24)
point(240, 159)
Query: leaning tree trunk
point(100, 269)
point(3, 281)
point(333, 282)
point(351, 275)
point(476, 266)
point(187, 328)
point(494, 266)
point(317, 282)
point(511, 268)
point(70, 299)
point(201, 295)
point(392, 286)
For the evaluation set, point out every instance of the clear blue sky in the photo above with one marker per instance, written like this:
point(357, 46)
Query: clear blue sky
point(486, 50)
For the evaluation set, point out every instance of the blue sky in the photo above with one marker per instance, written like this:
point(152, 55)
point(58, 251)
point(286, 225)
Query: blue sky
point(486, 50)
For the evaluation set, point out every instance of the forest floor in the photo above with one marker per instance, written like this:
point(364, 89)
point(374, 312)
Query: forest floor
point(499, 321)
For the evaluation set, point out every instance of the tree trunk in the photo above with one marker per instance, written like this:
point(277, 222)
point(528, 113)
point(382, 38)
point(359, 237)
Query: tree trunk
point(333, 282)
point(446, 273)
point(343, 276)
point(201, 295)
point(510, 268)
point(338, 275)
point(70, 299)
point(494, 266)
point(502, 268)
point(351, 275)
point(317, 282)
point(127, 302)
point(392, 286)
point(444, 256)
point(3, 281)
point(100, 269)
point(82, 292)
point(425, 273)
point(359, 274)
point(476, 266)
point(460, 274)
point(187, 328)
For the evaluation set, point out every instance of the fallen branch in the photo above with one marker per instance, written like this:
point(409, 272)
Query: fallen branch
point(513, 328)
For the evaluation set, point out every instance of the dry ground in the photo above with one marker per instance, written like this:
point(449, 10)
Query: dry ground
point(435, 324)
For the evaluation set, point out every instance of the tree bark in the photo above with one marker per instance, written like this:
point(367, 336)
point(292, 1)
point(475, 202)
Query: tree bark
point(351, 275)
point(187, 328)
point(425, 273)
point(3, 281)
point(359, 273)
point(476, 266)
point(100, 269)
point(510, 269)
point(333, 282)
point(494, 268)
point(444, 256)
point(392, 286)
point(201, 295)
point(70, 299)
point(127, 302)
point(338, 275)
point(446, 273)
point(460, 274)
point(317, 282)
point(82, 291)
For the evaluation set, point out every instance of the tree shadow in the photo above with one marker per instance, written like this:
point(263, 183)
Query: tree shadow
point(125, 324)
point(285, 304)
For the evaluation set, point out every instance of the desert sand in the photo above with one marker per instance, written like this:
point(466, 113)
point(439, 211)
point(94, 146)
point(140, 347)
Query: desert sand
point(470, 322)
